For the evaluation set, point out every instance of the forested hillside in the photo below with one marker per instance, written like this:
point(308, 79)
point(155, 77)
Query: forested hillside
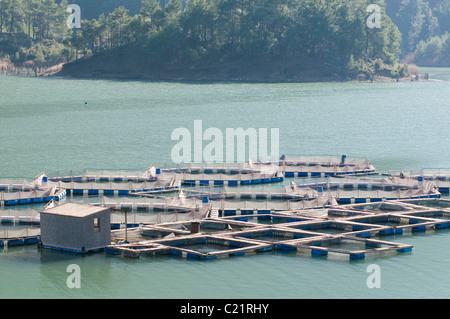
point(331, 36)
point(424, 25)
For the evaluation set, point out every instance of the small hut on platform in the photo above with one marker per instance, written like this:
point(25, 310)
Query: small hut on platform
point(76, 228)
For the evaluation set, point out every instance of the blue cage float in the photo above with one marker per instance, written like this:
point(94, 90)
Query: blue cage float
point(92, 175)
point(351, 196)
point(323, 166)
point(440, 177)
point(204, 179)
point(119, 188)
point(224, 207)
point(25, 192)
point(290, 166)
point(365, 183)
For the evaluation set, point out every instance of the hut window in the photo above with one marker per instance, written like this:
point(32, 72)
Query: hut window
point(96, 224)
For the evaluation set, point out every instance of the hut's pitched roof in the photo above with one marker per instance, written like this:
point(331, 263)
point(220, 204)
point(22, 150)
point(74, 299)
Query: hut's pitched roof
point(74, 210)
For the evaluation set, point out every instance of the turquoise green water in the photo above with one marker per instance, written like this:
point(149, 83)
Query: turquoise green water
point(45, 125)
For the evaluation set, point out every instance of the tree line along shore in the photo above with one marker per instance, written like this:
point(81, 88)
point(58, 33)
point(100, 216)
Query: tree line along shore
point(256, 40)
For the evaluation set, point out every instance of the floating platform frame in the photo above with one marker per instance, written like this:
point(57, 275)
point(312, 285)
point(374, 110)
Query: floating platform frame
point(353, 231)
point(205, 247)
point(400, 216)
point(269, 217)
point(330, 245)
point(337, 227)
point(273, 235)
point(396, 224)
point(205, 225)
point(194, 247)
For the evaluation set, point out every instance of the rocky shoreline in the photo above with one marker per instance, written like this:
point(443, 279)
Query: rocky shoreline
point(275, 73)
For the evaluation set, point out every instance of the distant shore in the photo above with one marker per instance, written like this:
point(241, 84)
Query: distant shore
point(376, 79)
point(242, 78)
point(274, 73)
point(265, 74)
point(28, 69)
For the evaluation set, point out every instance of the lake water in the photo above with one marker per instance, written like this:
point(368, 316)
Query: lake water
point(56, 124)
